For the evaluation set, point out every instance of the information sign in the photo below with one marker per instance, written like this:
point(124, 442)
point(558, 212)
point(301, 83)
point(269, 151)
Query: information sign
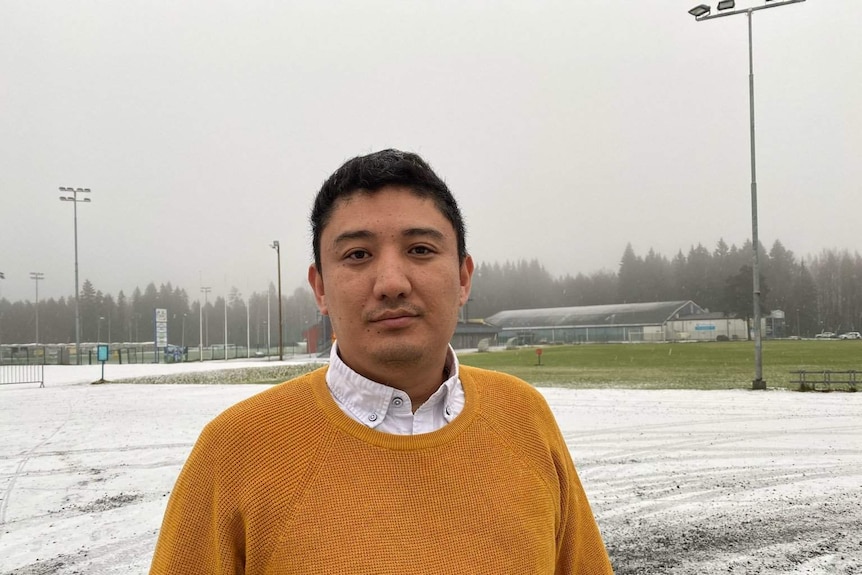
point(161, 327)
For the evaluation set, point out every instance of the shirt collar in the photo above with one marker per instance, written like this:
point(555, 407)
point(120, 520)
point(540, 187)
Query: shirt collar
point(368, 401)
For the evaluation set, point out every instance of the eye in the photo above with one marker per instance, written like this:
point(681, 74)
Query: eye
point(421, 250)
point(357, 255)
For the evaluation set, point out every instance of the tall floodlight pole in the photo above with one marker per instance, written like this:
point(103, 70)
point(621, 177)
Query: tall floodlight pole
point(206, 321)
point(701, 12)
point(201, 331)
point(275, 245)
point(74, 199)
point(36, 276)
point(2, 277)
point(268, 322)
point(225, 318)
point(247, 330)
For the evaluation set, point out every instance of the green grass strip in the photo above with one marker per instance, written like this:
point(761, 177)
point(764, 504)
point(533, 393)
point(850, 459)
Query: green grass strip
point(692, 365)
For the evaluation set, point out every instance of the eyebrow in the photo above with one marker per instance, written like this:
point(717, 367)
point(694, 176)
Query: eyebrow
point(407, 233)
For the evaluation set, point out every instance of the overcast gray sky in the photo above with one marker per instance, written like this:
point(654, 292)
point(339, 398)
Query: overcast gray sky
point(565, 129)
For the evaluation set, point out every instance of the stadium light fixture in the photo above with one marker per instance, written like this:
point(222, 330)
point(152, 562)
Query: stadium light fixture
point(36, 276)
point(700, 10)
point(75, 201)
point(277, 247)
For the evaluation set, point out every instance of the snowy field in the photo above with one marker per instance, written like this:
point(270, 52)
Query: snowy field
point(682, 482)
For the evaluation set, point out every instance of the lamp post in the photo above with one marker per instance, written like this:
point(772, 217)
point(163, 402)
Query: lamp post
point(2, 277)
point(36, 276)
point(99, 330)
point(201, 332)
point(247, 330)
point(225, 318)
point(74, 199)
point(225, 327)
point(205, 291)
point(275, 245)
point(701, 12)
point(268, 323)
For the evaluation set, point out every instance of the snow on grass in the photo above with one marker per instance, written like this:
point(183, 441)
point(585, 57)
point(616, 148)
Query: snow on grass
point(681, 481)
point(262, 374)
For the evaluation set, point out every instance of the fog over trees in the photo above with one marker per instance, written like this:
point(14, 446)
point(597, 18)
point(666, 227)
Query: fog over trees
point(823, 292)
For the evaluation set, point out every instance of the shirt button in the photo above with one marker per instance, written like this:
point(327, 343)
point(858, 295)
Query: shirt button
point(372, 417)
point(397, 402)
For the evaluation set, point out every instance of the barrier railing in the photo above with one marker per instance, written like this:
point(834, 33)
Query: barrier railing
point(22, 374)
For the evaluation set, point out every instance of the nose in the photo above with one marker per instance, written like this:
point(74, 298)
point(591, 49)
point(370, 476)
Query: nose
point(392, 278)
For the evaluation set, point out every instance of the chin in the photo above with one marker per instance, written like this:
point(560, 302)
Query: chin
point(399, 352)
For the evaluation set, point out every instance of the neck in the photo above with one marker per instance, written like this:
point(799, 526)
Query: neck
point(419, 385)
point(419, 378)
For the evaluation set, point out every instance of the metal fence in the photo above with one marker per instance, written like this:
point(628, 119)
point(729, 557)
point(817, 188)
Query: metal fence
point(23, 373)
point(123, 353)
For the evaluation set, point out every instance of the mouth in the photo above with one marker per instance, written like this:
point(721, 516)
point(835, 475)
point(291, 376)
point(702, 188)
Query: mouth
point(393, 319)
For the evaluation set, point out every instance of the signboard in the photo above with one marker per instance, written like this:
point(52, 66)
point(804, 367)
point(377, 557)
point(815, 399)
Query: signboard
point(161, 316)
point(102, 352)
point(161, 335)
point(704, 327)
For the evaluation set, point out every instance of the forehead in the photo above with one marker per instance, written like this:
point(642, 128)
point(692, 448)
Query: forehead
point(390, 206)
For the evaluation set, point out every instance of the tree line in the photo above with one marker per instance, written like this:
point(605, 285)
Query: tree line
point(819, 293)
point(249, 319)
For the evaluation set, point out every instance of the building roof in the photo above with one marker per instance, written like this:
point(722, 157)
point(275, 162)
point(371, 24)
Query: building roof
point(629, 314)
point(474, 327)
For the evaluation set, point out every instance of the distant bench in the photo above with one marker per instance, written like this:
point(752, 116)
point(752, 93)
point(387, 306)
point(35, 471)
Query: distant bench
point(22, 374)
point(810, 379)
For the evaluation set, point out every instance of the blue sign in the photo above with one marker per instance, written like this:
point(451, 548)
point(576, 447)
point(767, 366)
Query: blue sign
point(704, 327)
point(102, 353)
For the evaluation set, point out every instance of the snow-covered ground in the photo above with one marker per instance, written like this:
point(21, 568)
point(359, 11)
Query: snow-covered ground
point(682, 482)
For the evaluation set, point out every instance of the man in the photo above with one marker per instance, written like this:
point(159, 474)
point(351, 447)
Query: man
point(394, 459)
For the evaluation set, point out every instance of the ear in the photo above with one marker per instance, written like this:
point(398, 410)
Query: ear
point(315, 280)
point(466, 278)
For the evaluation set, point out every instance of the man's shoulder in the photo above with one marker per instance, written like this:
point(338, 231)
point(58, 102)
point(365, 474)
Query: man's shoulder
point(504, 395)
point(499, 384)
point(520, 416)
point(270, 408)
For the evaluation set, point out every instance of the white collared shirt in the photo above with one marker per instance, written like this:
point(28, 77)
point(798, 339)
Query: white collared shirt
point(388, 409)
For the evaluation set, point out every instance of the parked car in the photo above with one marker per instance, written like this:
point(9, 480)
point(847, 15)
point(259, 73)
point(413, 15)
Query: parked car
point(851, 335)
point(825, 335)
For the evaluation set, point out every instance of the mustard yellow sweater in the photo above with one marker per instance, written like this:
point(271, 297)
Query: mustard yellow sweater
point(286, 483)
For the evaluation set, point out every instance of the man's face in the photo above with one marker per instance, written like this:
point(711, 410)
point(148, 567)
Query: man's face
point(390, 281)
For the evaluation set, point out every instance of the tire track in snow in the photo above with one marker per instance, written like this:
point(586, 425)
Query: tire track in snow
point(19, 470)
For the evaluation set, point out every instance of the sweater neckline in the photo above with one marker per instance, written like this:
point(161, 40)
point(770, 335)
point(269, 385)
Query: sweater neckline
point(334, 414)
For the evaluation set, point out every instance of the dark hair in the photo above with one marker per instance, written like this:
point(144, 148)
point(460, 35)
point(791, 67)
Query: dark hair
point(371, 173)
